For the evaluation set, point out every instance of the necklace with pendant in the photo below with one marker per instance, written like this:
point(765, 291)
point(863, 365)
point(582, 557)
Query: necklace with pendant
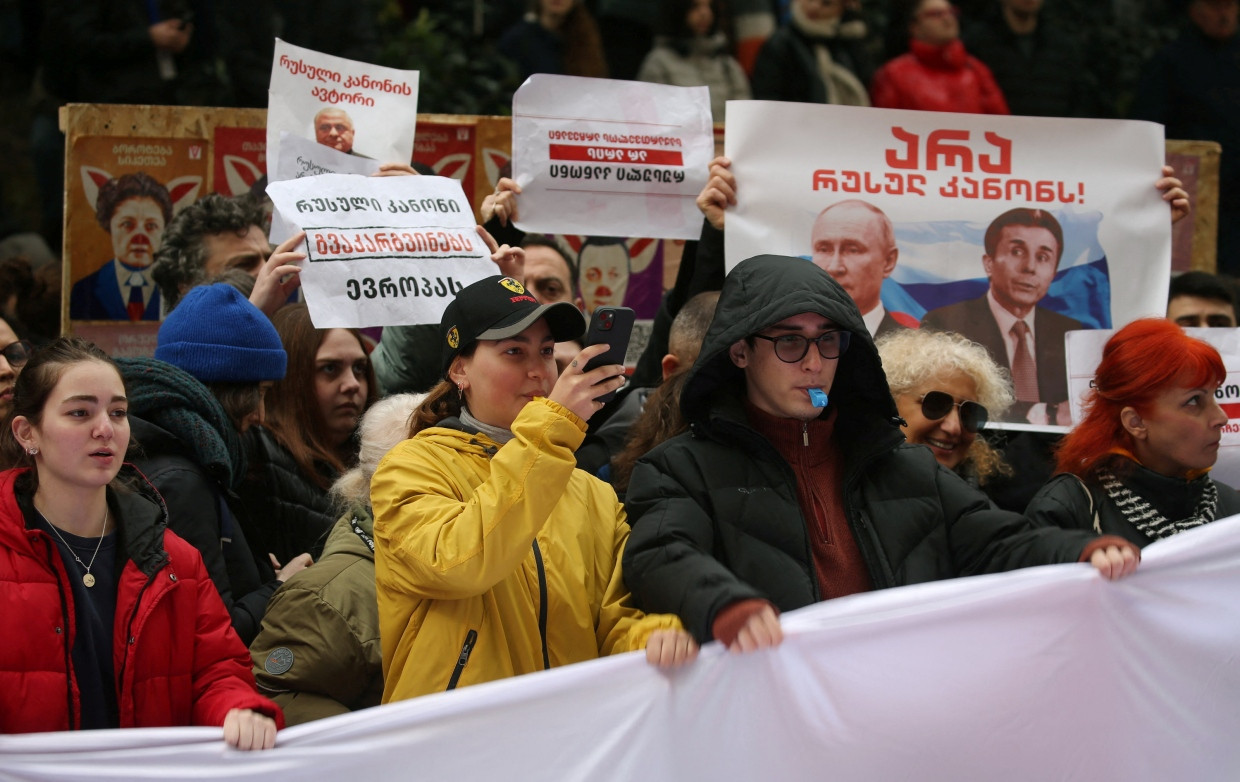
point(87, 578)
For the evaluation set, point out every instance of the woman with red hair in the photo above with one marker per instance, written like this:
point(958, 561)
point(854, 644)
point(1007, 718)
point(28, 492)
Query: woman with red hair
point(1138, 465)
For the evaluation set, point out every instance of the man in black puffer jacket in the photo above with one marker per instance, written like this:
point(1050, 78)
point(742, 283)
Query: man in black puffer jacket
point(778, 498)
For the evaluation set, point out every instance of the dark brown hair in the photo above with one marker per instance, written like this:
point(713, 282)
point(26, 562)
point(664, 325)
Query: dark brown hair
point(116, 191)
point(293, 413)
point(34, 386)
point(583, 45)
point(660, 420)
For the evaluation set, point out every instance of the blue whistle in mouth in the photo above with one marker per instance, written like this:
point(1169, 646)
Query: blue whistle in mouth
point(817, 397)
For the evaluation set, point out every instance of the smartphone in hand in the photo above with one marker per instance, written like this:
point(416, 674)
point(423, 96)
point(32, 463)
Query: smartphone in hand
point(611, 326)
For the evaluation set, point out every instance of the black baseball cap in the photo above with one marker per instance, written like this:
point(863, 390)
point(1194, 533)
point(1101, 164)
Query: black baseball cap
point(498, 308)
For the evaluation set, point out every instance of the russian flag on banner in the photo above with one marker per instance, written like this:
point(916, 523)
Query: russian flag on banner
point(941, 263)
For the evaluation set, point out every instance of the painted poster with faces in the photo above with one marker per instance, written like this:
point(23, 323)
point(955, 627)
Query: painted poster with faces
point(354, 108)
point(123, 192)
point(1085, 353)
point(603, 157)
point(962, 222)
point(382, 251)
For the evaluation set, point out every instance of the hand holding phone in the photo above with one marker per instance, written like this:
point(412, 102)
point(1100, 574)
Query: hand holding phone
point(611, 326)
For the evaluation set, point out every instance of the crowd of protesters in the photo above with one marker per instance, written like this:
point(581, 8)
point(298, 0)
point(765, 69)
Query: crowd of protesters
point(455, 504)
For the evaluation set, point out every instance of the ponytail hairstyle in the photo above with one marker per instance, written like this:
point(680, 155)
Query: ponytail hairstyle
point(1139, 362)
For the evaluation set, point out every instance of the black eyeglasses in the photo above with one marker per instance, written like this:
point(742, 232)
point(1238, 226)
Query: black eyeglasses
point(791, 348)
point(17, 353)
point(937, 404)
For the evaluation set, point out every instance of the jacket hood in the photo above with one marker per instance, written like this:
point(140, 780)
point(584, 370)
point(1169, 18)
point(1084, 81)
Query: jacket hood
point(764, 290)
point(353, 533)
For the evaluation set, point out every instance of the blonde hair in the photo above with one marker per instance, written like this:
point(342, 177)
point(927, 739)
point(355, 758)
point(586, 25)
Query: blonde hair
point(911, 356)
point(383, 426)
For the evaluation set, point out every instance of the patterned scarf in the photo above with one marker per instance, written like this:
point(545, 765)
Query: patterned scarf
point(177, 402)
point(1142, 515)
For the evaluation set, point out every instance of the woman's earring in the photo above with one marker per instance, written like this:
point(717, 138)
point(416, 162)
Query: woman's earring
point(32, 451)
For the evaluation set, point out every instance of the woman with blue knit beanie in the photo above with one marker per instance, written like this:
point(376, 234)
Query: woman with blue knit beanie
point(216, 355)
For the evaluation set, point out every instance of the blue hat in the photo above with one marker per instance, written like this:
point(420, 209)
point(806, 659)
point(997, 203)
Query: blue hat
point(218, 336)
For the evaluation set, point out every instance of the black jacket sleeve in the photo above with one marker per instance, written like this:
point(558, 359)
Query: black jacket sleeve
point(668, 565)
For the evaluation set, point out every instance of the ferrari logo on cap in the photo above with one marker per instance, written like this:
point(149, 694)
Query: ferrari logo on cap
point(512, 285)
point(454, 338)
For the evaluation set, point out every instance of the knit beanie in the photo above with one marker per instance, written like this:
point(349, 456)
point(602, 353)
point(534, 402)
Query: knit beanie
point(218, 336)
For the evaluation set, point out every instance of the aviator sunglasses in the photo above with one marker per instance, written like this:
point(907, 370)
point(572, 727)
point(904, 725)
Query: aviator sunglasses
point(937, 404)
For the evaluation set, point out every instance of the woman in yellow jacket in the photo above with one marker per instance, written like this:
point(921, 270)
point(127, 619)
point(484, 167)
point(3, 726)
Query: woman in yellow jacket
point(494, 555)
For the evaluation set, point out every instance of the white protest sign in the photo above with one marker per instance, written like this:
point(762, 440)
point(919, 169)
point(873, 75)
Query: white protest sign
point(382, 251)
point(354, 107)
point(303, 158)
point(599, 157)
point(1088, 245)
point(1085, 353)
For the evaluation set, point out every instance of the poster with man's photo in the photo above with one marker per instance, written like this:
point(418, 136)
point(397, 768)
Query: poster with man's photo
point(123, 192)
point(1011, 231)
point(354, 108)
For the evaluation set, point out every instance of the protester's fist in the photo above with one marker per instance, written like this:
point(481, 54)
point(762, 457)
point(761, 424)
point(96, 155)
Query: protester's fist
point(719, 193)
point(1115, 562)
point(1173, 193)
point(502, 203)
point(246, 729)
point(760, 631)
point(670, 648)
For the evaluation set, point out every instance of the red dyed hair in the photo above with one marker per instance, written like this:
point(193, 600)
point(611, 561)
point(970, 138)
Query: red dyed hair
point(1139, 362)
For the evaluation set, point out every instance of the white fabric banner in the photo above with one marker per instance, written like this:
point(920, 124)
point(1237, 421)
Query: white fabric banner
point(603, 157)
point(355, 107)
point(381, 251)
point(1045, 673)
point(1085, 353)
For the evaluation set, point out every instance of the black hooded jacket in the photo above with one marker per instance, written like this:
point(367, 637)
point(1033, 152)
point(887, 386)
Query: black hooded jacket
point(714, 511)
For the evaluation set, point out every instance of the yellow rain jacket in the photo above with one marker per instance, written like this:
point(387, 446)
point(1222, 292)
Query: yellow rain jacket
point(495, 561)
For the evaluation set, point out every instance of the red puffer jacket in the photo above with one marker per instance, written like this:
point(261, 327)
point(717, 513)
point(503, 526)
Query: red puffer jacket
point(937, 78)
point(177, 659)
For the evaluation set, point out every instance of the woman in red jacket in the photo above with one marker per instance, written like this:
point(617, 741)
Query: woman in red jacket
point(110, 620)
point(936, 74)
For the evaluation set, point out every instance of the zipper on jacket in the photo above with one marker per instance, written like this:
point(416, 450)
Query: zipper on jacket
point(466, 649)
point(542, 604)
point(70, 676)
point(805, 433)
point(129, 637)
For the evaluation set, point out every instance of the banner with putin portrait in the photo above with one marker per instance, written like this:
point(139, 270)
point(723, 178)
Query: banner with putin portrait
point(1011, 231)
point(354, 108)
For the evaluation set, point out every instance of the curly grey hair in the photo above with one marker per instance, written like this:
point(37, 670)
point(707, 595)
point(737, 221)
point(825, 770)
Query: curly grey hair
point(181, 259)
point(911, 356)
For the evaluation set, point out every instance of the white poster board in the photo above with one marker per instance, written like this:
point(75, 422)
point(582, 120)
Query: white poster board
point(357, 108)
point(942, 180)
point(1085, 353)
point(382, 251)
point(602, 157)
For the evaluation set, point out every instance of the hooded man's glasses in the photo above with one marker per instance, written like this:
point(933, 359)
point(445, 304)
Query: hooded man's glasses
point(791, 348)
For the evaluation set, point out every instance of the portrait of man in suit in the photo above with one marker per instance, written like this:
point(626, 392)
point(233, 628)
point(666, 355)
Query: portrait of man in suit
point(1023, 248)
point(855, 243)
